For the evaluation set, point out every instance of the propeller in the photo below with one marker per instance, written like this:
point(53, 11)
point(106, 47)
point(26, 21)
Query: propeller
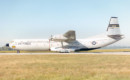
point(51, 37)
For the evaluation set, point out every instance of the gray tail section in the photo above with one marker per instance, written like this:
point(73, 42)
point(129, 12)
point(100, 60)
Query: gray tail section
point(70, 35)
point(113, 29)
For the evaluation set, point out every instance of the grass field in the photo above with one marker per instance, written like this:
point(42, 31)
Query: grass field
point(65, 67)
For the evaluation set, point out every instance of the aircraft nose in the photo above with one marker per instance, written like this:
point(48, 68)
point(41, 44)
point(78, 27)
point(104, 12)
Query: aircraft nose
point(7, 45)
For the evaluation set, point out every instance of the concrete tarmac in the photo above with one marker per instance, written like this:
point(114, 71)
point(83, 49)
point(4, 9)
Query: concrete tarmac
point(95, 53)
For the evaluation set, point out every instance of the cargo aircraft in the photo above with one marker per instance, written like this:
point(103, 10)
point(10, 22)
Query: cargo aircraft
point(68, 43)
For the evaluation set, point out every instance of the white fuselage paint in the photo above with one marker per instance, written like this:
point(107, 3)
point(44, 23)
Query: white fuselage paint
point(45, 44)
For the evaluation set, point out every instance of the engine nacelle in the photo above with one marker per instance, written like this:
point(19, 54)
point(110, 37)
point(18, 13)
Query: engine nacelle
point(58, 38)
point(67, 37)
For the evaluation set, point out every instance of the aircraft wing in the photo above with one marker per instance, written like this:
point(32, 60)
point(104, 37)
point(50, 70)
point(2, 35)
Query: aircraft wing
point(70, 35)
point(67, 37)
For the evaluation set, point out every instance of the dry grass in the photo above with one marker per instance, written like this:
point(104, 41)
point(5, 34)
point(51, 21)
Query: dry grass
point(65, 67)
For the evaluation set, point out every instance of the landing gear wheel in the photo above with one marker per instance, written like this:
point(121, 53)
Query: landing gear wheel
point(18, 51)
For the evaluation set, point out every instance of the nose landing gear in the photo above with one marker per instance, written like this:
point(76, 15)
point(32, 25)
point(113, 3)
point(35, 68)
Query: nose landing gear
point(18, 51)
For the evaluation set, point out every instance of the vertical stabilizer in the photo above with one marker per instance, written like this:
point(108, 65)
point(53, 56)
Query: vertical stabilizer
point(113, 27)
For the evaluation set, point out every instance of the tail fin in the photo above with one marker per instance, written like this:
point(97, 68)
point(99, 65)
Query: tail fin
point(113, 29)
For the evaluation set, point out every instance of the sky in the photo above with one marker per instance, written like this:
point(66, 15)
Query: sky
point(38, 19)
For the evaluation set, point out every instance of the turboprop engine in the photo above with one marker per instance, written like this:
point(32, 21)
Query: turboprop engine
point(58, 38)
point(68, 36)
